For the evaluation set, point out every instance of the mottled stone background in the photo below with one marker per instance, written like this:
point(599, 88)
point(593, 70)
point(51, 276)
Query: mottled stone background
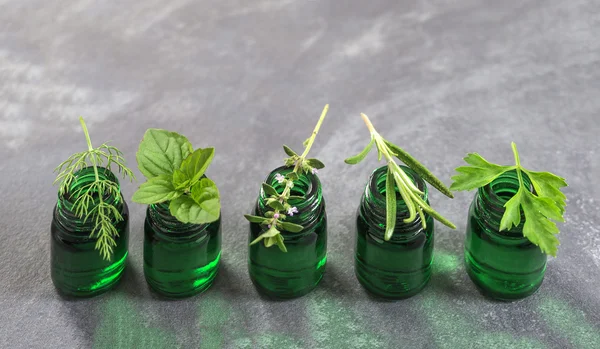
point(441, 78)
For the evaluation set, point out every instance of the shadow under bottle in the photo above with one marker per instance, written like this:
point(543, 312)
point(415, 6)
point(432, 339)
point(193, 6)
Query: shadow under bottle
point(401, 267)
point(282, 275)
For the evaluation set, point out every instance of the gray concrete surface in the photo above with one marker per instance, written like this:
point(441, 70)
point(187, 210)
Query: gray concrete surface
point(441, 78)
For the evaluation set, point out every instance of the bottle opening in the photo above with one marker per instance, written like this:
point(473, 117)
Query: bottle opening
point(82, 181)
point(503, 188)
point(379, 180)
point(306, 186)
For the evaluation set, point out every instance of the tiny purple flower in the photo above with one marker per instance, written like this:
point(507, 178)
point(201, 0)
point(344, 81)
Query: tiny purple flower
point(292, 210)
point(279, 177)
point(314, 171)
point(276, 216)
point(269, 226)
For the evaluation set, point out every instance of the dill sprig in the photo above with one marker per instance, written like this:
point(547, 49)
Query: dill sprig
point(89, 200)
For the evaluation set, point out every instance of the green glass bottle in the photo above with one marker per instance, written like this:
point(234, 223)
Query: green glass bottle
point(401, 267)
point(503, 264)
point(77, 268)
point(282, 275)
point(180, 259)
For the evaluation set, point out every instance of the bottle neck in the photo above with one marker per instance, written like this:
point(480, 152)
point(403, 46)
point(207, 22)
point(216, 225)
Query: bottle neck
point(310, 209)
point(373, 206)
point(65, 213)
point(169, 228)
point(490, 200)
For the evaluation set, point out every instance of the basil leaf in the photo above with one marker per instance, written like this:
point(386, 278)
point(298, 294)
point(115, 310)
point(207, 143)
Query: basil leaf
point(206, 194)
point(196, 164)
point(161, 152)
point(201, 207)
point(156, 190)
point(180, 180)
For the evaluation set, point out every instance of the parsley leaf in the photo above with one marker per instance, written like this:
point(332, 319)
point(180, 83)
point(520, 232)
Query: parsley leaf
point(479, 174)
point(540, 209)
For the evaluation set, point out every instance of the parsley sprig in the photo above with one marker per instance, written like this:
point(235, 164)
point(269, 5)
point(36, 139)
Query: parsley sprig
point(540, 208)
point(89, 199)
point(274, 220)
point(396, 177)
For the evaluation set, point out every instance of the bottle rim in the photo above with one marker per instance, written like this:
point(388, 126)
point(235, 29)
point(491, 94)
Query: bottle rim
point(64, 212)
point(308, 181)
point(374, 211)
point(491, 198)
point(169, 227)
point(310, 209)
point(377, 184)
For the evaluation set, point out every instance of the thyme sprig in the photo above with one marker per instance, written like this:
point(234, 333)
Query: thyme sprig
point(90, 203)
point(274, 220)
point(397, 178)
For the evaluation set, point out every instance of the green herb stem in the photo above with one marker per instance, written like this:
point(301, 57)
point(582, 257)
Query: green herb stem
point(518, 162)
point(312, 138)
point(286, 192)
point(90, 147)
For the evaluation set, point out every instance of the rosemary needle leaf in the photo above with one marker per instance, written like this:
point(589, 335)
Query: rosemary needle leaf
point(419, 168)
point(390, 197)
point(361, 156)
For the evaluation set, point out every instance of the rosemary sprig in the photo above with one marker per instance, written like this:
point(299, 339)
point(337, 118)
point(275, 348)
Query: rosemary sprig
point(274, 220)
point(89, 201)
point(412, 196)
